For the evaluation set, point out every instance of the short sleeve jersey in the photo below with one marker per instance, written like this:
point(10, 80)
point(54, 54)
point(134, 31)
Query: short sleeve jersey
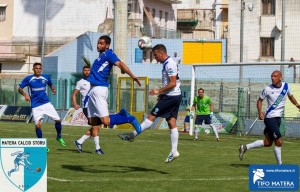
point(272, 93)
point(177, 60)
point(37, 87)
point(100, 70)
point(202, 105)
point(83, 86)
point(170, 68)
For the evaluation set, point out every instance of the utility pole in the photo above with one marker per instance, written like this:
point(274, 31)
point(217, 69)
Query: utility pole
point(43, 32)
point(283, 37)
point(242, 41)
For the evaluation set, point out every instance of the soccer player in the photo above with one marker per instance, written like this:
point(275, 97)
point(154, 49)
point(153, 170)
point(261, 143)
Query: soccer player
point(176, 58)
point(186, 122)
point(276, 94)
point(169, 98)
point(204, 108)
point(40, 103)
point(97, 97)
point(83, 86)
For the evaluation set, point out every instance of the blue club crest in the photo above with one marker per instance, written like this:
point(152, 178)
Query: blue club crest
point(23, 164)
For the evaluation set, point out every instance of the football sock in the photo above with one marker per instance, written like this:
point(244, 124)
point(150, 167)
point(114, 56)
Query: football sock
point(255, 144)
point(83, 138)
point(174, 139)
point(96, 141)
point(58, 129)
point(196, 131)
point(39, 132)
point(277, 152)
point(215, 130)
point(145, 125)
point(117, 119)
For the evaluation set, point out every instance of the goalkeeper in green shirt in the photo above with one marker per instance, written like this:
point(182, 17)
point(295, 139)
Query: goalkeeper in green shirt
point(204, 110)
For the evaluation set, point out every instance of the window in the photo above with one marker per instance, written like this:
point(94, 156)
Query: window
point(166, 19)
point(129, 8)
point(160, 18)
point(0, 67)
point(153, 13)
point(267, 47)
point(3, 12)
point(197, 1)
point(268, 7)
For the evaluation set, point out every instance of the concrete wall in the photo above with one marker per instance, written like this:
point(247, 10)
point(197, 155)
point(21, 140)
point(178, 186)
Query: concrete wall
point(6, 31)
point(256, 26)
point(65, 19)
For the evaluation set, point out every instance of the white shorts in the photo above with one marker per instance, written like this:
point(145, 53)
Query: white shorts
point(97, 103)
point(46, 109)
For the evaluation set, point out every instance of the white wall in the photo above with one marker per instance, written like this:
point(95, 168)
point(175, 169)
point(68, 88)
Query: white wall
point(254, 29)
point(65, 18)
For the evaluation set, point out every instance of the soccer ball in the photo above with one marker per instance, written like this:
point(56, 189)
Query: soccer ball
point(38, 169)
point(145, 43)
point(207, 131)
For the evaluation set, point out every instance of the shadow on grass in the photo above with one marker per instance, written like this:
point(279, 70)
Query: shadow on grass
point(74, 151)
point(239, 165)
point(190, 139)
point(114, 169)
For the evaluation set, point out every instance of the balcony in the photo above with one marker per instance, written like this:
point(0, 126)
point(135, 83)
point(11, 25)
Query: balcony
point(186, 19)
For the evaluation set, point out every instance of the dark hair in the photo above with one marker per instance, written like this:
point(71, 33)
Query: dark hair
point(86, 67)
point(201, 89)
point(37, 63)
point(106, 38)
point(160, 47)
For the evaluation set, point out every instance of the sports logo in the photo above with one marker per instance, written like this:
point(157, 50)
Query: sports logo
point(274, 177)
point(23, 164)
point(258, 175)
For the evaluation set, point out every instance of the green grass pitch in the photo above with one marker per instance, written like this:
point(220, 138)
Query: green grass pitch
point(204, 165)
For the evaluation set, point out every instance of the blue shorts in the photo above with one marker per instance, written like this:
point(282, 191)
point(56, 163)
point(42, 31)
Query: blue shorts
point(187, 119)
point(167, 106)
point(201, 118)
point(273, 127)
point(84, 110)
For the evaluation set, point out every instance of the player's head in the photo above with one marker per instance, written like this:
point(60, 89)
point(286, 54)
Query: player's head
point(175, 54)
point(37, 69)
point(160, 52)
point(276, 78)
point(86, 70)
point(103, 43)
point(201, 92)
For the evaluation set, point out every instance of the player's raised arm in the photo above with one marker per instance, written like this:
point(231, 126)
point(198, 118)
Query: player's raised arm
point(125, 69)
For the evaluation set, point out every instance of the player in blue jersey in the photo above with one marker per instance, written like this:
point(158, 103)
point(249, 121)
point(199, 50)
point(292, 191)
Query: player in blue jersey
point(97, 97)
point(169, 99)
point(276, 95)
point(40, 103)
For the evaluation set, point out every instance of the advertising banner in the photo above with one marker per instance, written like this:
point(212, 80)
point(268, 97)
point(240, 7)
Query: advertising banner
point(17, 114)
point(75, 117)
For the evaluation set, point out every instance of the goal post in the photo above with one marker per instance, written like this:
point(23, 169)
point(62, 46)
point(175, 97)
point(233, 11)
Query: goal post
point(223, 82)
point(191, 131)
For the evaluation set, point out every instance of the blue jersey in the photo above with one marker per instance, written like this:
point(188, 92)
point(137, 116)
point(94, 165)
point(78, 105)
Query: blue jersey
point(100, 70)
point(37, 87)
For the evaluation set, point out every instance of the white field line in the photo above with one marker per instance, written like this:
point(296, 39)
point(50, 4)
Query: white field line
point(152, 180)
point(138, 140)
